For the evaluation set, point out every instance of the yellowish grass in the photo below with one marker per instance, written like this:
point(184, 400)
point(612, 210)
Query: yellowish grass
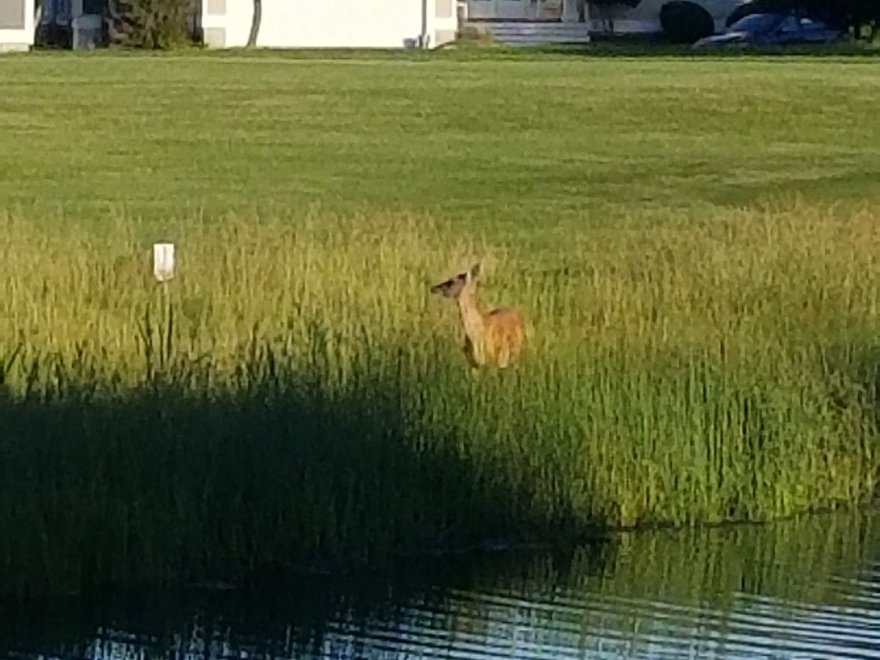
point(679, 371)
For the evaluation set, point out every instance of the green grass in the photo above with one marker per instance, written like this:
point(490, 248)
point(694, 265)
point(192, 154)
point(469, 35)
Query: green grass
point(526, 143)
point(694, 244)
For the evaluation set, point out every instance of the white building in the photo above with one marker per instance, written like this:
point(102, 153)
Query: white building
point(336, 24)
point(359, 23)
point(16, 25)
point(537, 21)
point(427, 23)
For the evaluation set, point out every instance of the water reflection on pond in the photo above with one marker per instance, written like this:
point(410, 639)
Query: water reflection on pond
point(808, 588)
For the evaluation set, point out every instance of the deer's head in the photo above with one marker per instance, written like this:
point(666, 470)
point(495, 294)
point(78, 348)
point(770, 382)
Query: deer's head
point(455, 286)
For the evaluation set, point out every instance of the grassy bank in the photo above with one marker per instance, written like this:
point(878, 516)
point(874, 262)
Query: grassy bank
point(537, 148)
point(300, 397)
point(295, 395)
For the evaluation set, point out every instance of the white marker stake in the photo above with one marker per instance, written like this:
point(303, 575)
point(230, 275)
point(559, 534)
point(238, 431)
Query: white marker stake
point(163, 261)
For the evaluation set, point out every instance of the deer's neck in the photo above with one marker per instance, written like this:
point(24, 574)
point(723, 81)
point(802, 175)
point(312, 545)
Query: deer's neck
point(471, 318)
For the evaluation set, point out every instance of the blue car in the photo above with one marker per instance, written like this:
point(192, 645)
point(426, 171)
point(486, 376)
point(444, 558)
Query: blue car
point(772, 29)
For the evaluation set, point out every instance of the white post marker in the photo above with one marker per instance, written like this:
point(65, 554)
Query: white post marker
point(163, 261)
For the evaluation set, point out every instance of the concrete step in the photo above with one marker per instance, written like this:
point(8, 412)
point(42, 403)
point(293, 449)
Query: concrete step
point(520, 33)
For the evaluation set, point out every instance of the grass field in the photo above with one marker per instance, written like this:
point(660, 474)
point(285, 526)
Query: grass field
point(558, 142)
point(694, 243)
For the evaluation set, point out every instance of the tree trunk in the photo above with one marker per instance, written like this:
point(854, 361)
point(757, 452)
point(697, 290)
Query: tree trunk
point(255, 23)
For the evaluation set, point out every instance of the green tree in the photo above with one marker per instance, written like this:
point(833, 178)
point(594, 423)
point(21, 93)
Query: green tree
point(150, 23)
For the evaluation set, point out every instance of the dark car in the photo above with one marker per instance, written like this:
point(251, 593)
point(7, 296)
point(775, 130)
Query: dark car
point(772, 29)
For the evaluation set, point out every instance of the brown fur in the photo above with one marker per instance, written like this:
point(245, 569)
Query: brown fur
point(494, 338)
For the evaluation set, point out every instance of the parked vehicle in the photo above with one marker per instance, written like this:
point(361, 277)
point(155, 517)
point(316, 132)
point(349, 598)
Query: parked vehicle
point(772, 29)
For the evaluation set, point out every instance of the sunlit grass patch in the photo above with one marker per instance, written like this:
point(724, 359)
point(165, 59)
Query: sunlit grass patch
point(296, 394)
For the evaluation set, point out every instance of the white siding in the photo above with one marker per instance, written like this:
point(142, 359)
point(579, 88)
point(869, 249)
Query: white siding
point(327, 24)
point(23, 38)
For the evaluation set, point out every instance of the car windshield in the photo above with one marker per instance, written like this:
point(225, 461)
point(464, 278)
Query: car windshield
point(755, 23)
point(810, 24)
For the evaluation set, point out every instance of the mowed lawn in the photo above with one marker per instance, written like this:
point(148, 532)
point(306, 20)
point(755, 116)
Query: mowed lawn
point(548, 143)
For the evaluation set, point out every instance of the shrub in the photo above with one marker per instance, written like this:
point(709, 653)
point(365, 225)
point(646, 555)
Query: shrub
point(150, 23)
point(685, 22)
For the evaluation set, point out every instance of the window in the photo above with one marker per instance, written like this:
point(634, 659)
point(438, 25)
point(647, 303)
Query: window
point(12, 15)
point(93, 6)
point(754, 23)
point(216, 7)
point(62, 11)
point(790, 24)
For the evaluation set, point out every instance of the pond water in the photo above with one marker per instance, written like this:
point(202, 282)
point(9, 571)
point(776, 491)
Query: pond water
point(807, 588)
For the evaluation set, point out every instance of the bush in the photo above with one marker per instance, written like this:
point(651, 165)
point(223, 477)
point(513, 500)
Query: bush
point(685, 22)
point(150, 23)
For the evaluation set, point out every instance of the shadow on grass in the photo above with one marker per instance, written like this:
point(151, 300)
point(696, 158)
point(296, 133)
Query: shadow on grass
point(601, 46)
point(182, 480)
point(642, 47)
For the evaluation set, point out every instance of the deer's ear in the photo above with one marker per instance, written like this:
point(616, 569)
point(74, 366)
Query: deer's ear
point(474, 272)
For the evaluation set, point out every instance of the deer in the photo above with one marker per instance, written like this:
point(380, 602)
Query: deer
point(494, 338)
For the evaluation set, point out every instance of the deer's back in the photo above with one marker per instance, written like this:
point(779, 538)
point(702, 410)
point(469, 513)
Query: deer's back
point(505, 330)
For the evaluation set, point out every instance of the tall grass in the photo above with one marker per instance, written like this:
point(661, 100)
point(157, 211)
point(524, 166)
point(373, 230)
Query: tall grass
point(295, 395)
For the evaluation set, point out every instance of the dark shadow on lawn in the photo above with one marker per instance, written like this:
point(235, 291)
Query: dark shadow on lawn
point(656, 46)
point(179, 481)
point(600, 46)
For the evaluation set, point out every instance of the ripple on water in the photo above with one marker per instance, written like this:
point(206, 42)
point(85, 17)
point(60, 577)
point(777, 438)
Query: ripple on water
point(805, 589)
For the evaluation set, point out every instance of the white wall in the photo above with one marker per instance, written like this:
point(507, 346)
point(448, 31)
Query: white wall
point(19, 39)
point(328, 23)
